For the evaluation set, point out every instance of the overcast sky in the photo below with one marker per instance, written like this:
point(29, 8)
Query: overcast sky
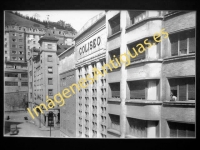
point(76, 18)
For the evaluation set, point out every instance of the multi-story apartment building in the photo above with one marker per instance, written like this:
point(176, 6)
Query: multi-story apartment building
point(139, 93)
point(90, 52)
point(43, 77)
point(67, 73)
point(15, 69)
point(178, 75)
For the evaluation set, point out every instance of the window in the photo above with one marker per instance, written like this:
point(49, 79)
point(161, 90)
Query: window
point(10, 83)
point(137, 127)
point(6, 59)
point(181, 129)
point(5, 39)
point(50, 81)
point(136, 16)
point(14, 46)
point(33, 36)
point(14, 40)
point(28, 53)
point(14, 52)
point(49, 46)
point(115, 54)
point(183, 43)
point(24, 84)
point(14, 34)
point(115, 24)
point(20, 40)
point(20, 52)
point(143, 89)
point(6, 44)
point(24, 75)
point(21, 58)
point(5, 52)
point(20, 34)
point(14, 58)
point(50, 58)
point(50, 92)
point(115, 122)
point(182, 89)
point(137, 89)
point(21, 46)
point(50, 69)
point(11, 75)
point(33, 42)
point(20, 28)
point(115, 90)
point(138, 57)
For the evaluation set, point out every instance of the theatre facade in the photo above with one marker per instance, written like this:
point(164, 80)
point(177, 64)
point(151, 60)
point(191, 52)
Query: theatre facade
point(90, 51)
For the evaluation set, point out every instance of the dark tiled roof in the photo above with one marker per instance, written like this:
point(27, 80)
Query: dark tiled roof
point(61, 48)
point(48, 36)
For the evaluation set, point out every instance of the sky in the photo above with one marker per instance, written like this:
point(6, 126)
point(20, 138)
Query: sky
point(77, 19)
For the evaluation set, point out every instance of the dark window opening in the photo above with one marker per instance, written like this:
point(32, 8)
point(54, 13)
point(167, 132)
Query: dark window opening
point(115, 89)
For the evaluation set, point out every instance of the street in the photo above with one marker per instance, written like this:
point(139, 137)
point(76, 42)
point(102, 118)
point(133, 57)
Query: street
point(27, 128)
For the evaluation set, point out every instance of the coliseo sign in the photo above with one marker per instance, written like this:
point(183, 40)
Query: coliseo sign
point(90, 45)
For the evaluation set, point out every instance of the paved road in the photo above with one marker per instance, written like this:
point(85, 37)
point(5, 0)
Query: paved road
point(26, 128)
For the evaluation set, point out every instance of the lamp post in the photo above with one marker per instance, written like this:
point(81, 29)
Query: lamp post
point(50, 120)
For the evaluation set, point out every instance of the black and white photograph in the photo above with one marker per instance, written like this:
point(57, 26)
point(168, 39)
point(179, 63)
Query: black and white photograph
point(100, 74)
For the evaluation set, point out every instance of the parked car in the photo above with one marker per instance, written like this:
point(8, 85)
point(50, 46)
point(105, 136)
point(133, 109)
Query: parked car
point(13, 129)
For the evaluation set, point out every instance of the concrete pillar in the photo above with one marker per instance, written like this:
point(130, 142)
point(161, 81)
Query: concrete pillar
point(46, 121)
point(123, 76)
point(151, 129)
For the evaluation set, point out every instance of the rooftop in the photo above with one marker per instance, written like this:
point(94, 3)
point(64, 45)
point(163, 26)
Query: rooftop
point(48, 36)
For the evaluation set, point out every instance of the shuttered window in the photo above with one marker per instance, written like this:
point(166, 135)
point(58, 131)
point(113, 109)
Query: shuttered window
point(191, 89)
point(140, 55)
point(115, 122)
point(115, 89)
point(181, 129)
point(174, 44)
point(183, 43)
point(192, 44)
point(137, 89)
point(50, 81)
point(183, 88)
point(137, 127)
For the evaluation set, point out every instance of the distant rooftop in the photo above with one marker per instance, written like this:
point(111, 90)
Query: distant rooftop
point(48, 36)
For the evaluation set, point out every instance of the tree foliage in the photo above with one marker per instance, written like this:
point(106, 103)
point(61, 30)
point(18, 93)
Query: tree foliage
point(59, 25)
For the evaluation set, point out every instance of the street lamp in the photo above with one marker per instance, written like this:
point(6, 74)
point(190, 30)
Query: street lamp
point(50, 120)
